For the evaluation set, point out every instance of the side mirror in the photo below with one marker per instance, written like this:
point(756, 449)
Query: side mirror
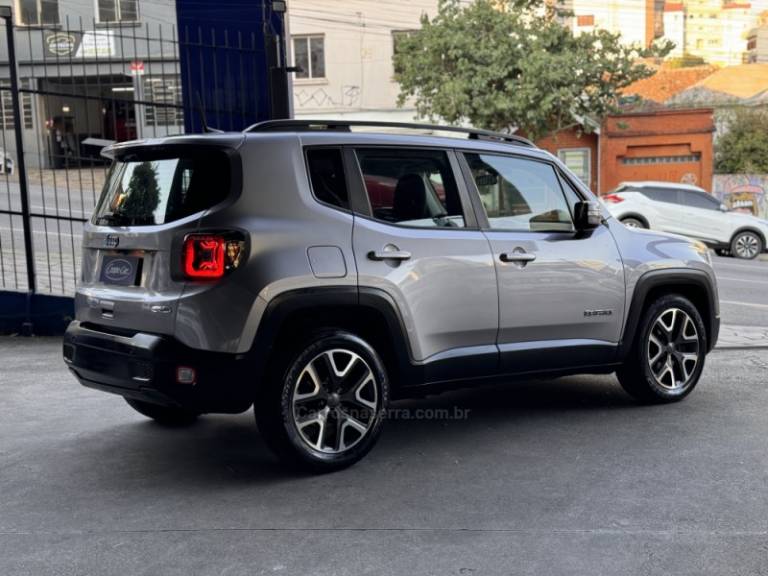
point(723, 208)
point(587, 215)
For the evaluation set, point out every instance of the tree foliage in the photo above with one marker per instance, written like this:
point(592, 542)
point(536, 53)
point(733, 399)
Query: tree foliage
point(143, 195)
point(743, 148)
point(504, 64)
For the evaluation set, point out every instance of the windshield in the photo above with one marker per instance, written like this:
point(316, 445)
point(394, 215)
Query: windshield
point(147, 192)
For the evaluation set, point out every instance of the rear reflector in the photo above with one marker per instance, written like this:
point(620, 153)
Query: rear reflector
point(185, 375)
point(613, 198)
point(204, 256)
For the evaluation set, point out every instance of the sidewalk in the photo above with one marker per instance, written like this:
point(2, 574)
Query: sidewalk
point(735, 337)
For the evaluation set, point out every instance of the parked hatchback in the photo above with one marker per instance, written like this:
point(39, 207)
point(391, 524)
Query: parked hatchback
point(690, 211)
point(315, 273)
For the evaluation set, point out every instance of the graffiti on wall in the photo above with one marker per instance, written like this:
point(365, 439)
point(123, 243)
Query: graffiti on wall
point(305, 97)
point(743, 192)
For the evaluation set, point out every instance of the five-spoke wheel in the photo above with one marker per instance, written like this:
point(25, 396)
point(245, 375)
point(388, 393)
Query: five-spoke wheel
point(323, 407)
point(673, 349)
point(335, 400)
point(668, 352)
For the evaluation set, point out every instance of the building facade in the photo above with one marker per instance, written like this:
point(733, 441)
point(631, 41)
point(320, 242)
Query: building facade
point(346, 57)
point(86, 64)
point(715, 30)
point(757, 46)
point(638, 21)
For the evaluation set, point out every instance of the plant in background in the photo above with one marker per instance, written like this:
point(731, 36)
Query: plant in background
point(743, 148)
point(512, 64)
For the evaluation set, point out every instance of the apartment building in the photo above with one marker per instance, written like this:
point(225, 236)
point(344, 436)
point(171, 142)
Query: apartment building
point(638, 21)
point(715, 30)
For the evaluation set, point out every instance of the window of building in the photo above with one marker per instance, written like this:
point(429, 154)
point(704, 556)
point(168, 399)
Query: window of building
point(326, 174)
point(37, 12)
point(163, 90)
point(585, 20)
point(117, 10)
point(520, 195)
point(661, 159)
point(578, 161)
point(309, 56)
point(6, 105)
point(411, 187)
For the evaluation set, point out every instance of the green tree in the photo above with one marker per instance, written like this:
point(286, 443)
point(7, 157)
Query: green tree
point(503, 64)
point(743, 148)
point(143, 195)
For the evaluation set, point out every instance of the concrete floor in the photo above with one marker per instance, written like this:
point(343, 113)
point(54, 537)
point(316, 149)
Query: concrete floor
point(541, 478)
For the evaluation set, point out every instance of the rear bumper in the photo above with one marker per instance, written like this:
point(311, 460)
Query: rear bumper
point(143, 367)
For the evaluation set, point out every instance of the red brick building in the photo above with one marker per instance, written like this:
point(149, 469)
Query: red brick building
point(667, 145)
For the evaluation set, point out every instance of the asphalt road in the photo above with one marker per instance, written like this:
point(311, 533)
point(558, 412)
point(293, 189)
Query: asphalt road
point(743, 287)
point(563, 477)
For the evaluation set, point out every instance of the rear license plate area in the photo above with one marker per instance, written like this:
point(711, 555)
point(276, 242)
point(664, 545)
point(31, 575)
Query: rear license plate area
point(121, 270)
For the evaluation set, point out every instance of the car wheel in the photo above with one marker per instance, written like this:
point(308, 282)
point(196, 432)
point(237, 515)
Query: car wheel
point(722, 252)
point(668, 353)
point(633, 223)
point(323, 409)
point(746, 245)
point(166, 415)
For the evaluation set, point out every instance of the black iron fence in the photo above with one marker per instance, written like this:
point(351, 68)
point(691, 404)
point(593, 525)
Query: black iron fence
point(66, 92)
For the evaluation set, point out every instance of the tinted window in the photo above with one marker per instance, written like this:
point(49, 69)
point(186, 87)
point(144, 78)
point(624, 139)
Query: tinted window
point(156, 191)
point(326, 172)
point(699, 200)
point(668, 195)
point(520, 194)
point(411, 187)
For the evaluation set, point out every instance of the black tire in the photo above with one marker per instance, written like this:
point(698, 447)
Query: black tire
point(746, 245)
point(638, 375)
point(279, 412)
point(630, 222)
point(723, 251)
point(165, 415)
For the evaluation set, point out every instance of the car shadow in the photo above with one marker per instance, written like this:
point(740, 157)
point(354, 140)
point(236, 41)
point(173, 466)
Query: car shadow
point(221, 450)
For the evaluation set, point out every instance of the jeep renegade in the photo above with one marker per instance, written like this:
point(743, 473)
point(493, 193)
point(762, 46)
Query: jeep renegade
point(314, 271)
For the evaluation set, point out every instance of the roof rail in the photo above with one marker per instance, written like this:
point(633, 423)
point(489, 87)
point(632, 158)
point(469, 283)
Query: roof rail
point(346, 125)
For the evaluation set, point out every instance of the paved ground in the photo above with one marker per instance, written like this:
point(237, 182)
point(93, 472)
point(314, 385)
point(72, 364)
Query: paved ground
point(743, 289)
point(565, 477)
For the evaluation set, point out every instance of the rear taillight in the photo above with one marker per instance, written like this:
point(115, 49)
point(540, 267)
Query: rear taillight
point(210, 256)
point(612, 198)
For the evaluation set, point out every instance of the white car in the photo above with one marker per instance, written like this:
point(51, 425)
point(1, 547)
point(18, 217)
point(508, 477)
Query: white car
point(689, 211)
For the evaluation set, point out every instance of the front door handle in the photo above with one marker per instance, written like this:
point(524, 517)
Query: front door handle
point(517, 257)
point(389, 255)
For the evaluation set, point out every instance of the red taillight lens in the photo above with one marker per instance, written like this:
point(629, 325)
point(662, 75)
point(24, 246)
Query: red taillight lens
point(204, 256)
point(613, 198)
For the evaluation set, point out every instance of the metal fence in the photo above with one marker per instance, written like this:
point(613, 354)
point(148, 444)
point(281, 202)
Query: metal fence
point(65, 92)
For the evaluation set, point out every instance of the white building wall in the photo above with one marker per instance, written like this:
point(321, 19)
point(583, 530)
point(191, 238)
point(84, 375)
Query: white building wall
point(674, 30)
point(358, 40)
point(625, 17)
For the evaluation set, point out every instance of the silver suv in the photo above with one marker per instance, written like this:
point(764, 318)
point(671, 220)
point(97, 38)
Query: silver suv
point(315, 272)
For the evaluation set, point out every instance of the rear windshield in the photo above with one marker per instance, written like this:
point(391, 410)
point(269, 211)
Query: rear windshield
point(143, 192)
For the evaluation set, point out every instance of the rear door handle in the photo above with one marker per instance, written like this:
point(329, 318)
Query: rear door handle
point(389, 255)
point(517, 257)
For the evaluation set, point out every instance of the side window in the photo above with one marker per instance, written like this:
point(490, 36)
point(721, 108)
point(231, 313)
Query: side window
point(326, 173)
point(519, 194)
point(700, 200)
point(668, 195)
point(411, 187)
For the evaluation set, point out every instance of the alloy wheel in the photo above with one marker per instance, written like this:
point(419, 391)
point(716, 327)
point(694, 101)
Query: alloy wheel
point(747, 246)
point(335, 401)
point(673, 349)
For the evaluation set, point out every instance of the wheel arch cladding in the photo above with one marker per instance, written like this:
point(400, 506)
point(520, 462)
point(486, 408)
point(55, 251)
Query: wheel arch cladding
point(694, 285)
point(369, 313)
